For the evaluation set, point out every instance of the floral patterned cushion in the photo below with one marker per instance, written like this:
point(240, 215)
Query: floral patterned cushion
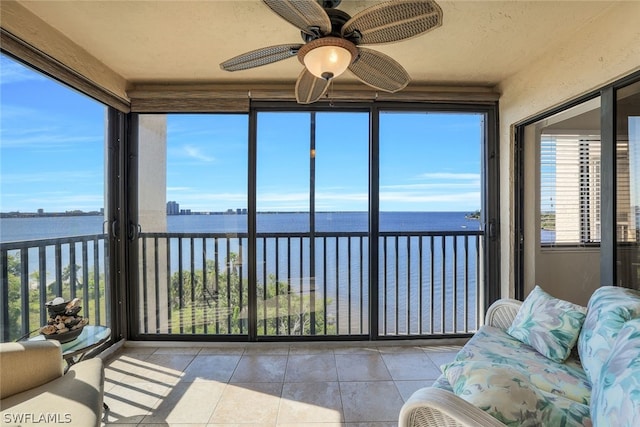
point(616, 397)
point(494, 345)
point(506, 394)
point(442, 383)
point(608, 309)
point(548, 324)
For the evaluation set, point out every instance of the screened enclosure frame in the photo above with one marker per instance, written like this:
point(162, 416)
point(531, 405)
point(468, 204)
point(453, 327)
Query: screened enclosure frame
point(490, 216)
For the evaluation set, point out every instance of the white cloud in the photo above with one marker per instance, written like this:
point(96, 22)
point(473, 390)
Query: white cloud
point(407, 197)
point(179, 189)
point(433, 186)
point(52, 177)
point(196, 153)
point(12, 72)
point(450, 175)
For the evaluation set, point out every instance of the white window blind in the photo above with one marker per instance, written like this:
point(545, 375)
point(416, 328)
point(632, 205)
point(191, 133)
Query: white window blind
point(569, 189)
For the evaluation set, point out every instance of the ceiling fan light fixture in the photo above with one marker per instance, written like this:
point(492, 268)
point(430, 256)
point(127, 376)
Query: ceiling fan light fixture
point(327, 57)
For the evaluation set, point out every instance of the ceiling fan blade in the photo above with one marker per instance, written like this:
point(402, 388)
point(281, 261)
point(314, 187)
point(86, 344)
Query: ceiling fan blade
point(259, 57)
point(379, 71)
point(394, 20)
point(310, 88)
point(304, 14)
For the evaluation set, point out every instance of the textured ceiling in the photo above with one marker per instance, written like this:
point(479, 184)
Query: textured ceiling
point(479, 43)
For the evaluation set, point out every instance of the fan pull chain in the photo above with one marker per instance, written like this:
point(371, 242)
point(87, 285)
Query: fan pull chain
point(330, 94)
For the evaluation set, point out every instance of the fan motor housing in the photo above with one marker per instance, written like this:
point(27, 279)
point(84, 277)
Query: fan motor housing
point(338, 18)
point(329, 4)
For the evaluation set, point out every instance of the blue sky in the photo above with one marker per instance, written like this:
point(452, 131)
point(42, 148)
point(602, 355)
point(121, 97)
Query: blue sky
point(52, 156)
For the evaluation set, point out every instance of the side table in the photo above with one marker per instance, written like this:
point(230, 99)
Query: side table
point(76, 350)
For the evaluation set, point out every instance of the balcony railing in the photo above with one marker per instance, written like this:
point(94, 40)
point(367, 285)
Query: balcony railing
point(429, 284)
point(36, 271)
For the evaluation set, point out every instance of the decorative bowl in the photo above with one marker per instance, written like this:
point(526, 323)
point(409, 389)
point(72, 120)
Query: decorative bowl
point(65, 336)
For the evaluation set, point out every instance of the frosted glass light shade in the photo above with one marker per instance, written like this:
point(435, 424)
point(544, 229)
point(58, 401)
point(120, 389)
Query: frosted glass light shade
point(327, 62)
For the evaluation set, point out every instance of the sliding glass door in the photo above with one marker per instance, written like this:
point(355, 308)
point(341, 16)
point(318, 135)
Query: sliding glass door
point(285, 223)
point(192, 216)
point(312, 222)
point(431, 222)
point(628, 186)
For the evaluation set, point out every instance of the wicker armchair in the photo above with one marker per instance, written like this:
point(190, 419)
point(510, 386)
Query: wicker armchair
point(434, 407)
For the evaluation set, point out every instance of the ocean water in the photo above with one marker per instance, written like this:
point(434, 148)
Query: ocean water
point(18, 229)
point(405, 266)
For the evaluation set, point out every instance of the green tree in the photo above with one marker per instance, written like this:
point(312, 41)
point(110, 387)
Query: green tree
point(219, 303)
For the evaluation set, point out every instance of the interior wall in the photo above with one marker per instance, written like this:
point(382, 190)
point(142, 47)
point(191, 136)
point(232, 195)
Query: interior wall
point(607, 49)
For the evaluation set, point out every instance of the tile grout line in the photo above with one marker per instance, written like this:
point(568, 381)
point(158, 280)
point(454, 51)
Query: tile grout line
point(335, 363)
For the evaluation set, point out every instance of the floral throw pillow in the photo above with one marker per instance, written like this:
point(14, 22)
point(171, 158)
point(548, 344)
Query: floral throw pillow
point(608, 309)
point(548, 324)
point(616, 398)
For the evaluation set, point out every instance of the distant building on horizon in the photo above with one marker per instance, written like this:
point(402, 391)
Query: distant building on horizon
point(173, 208)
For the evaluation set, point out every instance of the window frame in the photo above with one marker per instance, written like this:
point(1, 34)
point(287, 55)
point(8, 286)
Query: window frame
point(608, 244)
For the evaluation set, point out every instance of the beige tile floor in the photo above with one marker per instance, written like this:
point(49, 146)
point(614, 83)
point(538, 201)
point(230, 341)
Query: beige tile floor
point(323, 384)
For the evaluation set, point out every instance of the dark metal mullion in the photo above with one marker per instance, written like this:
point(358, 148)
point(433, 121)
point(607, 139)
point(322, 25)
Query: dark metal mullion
point(477, 292)
point(385, 263)
point(312, 226)
point(361, 283)
point(169, 308)
point(180, 288)
point(288, 285)
point(57, 288)
point(228, 268)
point(432, 278)
point(454, 313)
point(72, 270)
point(192, 279)
point(4, 295)
point(85, 278)
point(349, 286)
point(443, 283)
point(145, 296)
point(42, 279)
point(408, 285)
point(466, 285)
point(252, 241)
point(156, 284)
point(240, 279)
point(205, 288)
point(264, 287)
point(396, 284)
point(301, 290)
point(324, 282)
point(277, 296)
point(24, 290)
point(374, 220)
point(96, 277)
point(608, 155)
point(420, 285)
point(337, 321)
point(216, 280)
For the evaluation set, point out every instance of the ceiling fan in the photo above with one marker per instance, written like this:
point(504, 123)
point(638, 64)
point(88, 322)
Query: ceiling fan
point(332, 41)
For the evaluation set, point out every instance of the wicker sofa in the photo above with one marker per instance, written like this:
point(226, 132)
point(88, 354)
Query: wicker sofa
point(34, 390)
point(498, 380)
